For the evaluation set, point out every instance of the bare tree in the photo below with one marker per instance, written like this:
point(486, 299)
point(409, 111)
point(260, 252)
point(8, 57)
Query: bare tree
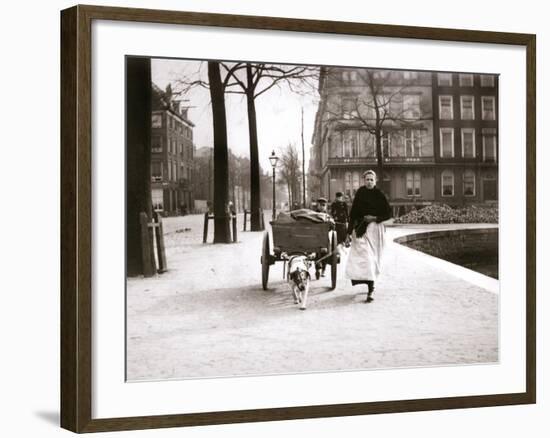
point(290, 174)
point(221, 174)
point(381, 106)
point(138, 164)
point(253, 80)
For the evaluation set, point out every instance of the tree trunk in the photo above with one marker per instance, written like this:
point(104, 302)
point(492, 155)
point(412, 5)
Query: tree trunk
point(255, 222)
point(380, 163)
point(303, 165)
point(138, 159)
point(221, 174)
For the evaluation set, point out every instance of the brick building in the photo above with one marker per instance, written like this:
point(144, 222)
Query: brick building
point(437, 136)
point(171, 154)
point(466, 140)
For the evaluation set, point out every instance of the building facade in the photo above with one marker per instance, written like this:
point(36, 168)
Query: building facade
point(400, 124)
point(466, 137)
point(172, 154)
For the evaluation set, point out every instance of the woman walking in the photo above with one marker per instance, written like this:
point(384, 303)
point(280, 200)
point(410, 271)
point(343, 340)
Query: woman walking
point(369, 209)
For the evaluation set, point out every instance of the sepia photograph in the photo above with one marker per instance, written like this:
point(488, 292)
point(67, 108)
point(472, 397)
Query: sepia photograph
point(286, 219)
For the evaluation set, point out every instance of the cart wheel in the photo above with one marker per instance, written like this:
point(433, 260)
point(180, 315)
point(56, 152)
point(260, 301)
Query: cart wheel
point(265, 260)
point(333, 260)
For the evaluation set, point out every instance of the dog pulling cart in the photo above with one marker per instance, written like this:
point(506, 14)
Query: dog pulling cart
point(314, 241)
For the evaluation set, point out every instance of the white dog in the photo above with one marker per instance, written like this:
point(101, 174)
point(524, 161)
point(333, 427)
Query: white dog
point(298, 278)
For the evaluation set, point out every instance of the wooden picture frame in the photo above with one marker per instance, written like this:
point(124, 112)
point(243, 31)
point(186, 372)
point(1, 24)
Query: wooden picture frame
point(76, 218)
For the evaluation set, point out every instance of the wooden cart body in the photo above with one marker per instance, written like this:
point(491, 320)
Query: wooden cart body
point(301, 236)
point(317, 240)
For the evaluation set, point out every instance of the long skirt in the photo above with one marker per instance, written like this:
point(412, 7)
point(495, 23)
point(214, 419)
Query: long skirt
point(365, 255)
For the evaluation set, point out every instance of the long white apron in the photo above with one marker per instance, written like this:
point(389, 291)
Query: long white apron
point(365, 255)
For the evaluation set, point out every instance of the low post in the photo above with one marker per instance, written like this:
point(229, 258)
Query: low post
point(161, 253)
point(147, 251)
point(244, 220)
point(234, 220)
point(205, 231)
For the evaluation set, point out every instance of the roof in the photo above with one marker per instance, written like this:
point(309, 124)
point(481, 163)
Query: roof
point(160, 101)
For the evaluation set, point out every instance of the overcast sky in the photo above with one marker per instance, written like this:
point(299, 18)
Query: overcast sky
point(278, 112)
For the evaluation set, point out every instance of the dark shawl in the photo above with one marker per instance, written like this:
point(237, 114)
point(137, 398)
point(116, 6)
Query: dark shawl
point(368, 202)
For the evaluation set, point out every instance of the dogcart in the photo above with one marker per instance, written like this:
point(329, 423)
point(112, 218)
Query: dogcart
point(316, 241)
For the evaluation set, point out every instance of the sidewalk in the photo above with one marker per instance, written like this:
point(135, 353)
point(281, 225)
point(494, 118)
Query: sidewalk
point(208, 315)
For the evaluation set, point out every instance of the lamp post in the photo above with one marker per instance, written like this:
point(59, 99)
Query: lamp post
point(273, 160)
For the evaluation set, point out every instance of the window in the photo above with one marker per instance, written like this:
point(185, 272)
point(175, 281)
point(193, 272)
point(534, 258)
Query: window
point(489, 139)
point(467, 107)
point(466, 80)
point(354, 146)
point(408, 75)
point(156, 143)
point(386, 143)
point(469, 183)
point(490, 187)
point(446, 107)
point(157, 199)
point(349, 75)
point(156, 121)
point(411, 106)
point(445, 79)
point(397, 145)
point(174, 170)
point(468, 142)
point(169, 171)
point(156, 171)
point(347, 183)
point(349, 108)
point(350, 144)
point(413, 183)
point(332, 148)
point(446, 139)
point(413, 142)
point(368, 147)
point(447, 183)
point(487, 80)
point(488, 107)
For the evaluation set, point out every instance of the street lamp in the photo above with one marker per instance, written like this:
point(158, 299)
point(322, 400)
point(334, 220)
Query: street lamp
point(273, 160)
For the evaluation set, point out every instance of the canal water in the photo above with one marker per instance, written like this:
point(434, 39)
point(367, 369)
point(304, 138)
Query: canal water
point(473, 249)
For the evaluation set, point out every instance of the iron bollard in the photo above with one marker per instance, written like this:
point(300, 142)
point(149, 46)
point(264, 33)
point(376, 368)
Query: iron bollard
point(205, 230)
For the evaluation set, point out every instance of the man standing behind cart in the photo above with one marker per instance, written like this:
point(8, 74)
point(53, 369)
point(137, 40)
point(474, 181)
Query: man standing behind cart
point(339, 212)
point(369, 209)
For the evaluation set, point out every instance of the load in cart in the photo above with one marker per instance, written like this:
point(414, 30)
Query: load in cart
point(302, 240)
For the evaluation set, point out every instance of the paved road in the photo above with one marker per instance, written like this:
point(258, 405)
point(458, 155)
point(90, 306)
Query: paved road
point(208, 315)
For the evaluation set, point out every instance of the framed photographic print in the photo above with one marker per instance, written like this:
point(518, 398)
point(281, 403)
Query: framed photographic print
point(268, 219)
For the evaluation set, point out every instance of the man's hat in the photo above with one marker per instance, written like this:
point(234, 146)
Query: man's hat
point(321, 200)
point(339, 194)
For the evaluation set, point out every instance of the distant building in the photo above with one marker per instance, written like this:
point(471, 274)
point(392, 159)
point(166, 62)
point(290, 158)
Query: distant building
point(466, 137)
point(437, 135)
point(171, 154)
